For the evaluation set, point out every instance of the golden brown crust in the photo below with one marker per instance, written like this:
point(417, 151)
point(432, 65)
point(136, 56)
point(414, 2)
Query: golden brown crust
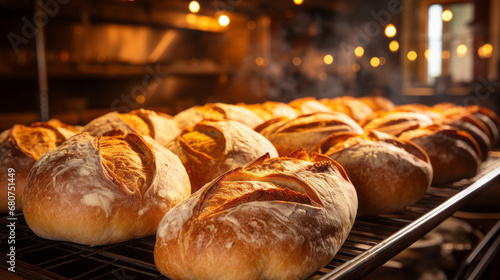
point(307, 130)
point(394, 121)
point(271, 109)
point(84, 190)
point(210, 148)
point(271, 219)
point(308, 105)
point(377, 103)
point(348, 105)
point(20, 148)
point(454, 154)
point(461, 118)
point(490, 119)
point(66, 129)
point(388, 174)
point(217, 111)
point(161, 128)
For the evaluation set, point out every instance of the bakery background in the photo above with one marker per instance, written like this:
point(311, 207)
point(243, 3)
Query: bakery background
point(101, 56)
point(98, 56)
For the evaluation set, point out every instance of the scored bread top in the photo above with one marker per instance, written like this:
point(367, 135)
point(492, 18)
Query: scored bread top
point(273, 217)
point(211, 148)
point(128, 160)
point(137, 124)
point(37, 139)
point(216, 111)
point(204, 139)
point(160, 127)
point(394, 121)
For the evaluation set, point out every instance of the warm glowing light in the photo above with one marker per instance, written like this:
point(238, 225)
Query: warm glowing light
point(194, 7)
point(445, 55)
point(359, 51)
point(447, 15)
point(298, 2)
point(412, 55)
point(375, 62)
point(251, 25)
point(382, 60)
point(427, 54)
point(224, 20)
point(485, 51)
point(461, 50)
point(190, 18)
point(322, 76)
point(356, 67)
point(259, 61)
point(140, 99)
point(394, 46)
point(328, 59)
point(390, 30)
point(296, 61)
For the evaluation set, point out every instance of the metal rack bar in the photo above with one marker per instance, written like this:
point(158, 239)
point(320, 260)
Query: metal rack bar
point(367, 261)
point(481, 256)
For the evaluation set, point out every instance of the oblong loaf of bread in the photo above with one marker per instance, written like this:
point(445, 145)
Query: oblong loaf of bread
point(104, 189)
point(281, 218)
point(454, 154)
point(306, 130)
point(388, 174)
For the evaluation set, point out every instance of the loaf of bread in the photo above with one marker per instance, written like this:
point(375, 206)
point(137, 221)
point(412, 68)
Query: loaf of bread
point(104, 189)
point(377, 103)
point(73, 129)
point(308, 105)
point(20, 147)
point(271, 109)
point(462, 119)
point(307, 130)
point(217, 111)
point(160, 127)
point(281, 218)
point(211, 148)
point(348, 105)
point(453, 153)
point(388, 174)
point(394, 122)
point(490, 119)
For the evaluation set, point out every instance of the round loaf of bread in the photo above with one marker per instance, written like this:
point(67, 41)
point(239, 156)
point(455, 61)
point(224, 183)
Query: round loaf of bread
point(388, 174)
point(281, 218)
point(453, 153)
point(160, 127)
point(348, 105)
point(217, 111)
point(211, 148)
point(271, 109)
point(308, 105)
point(394, 122)
point(104, 189)
point(377, 103)
point(20, 147)
point(307, 130)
